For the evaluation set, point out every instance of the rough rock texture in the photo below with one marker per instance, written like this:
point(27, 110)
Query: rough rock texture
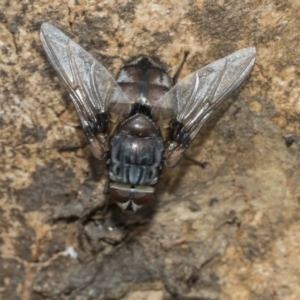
point(226, 221)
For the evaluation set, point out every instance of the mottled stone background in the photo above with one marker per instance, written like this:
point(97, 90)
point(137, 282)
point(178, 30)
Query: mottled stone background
point(226, 222)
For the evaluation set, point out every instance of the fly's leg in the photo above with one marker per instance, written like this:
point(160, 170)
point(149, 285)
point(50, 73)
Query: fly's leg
point(175, 77)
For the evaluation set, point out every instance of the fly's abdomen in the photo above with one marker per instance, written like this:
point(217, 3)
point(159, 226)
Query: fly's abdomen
point(144, 81)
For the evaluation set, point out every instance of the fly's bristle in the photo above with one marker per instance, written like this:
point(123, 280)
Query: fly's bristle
point(145, 62)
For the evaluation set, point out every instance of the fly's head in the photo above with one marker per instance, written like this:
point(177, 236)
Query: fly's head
point(131, 198)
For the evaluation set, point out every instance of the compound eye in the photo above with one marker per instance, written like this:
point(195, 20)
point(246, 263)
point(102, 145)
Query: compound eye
point(141, 198)
point(119, 195)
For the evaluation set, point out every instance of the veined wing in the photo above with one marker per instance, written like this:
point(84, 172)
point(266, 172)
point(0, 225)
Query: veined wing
point(196, 97)
point(92, 89)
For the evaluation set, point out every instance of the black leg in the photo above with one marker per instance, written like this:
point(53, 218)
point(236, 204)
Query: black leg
point(175, 77)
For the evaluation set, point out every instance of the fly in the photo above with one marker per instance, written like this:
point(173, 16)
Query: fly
point(140, 120)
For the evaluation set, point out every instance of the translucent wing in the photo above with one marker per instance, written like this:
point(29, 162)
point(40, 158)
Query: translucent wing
point(93, 90)
point(196, 97)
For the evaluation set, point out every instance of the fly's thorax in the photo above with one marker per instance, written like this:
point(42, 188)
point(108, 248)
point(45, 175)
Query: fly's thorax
point(135, 161)
point(131, 198)
point(136, 152)
point(139, 125)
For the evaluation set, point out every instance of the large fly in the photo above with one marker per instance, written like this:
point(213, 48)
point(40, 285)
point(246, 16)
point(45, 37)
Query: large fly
point(140, 120)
